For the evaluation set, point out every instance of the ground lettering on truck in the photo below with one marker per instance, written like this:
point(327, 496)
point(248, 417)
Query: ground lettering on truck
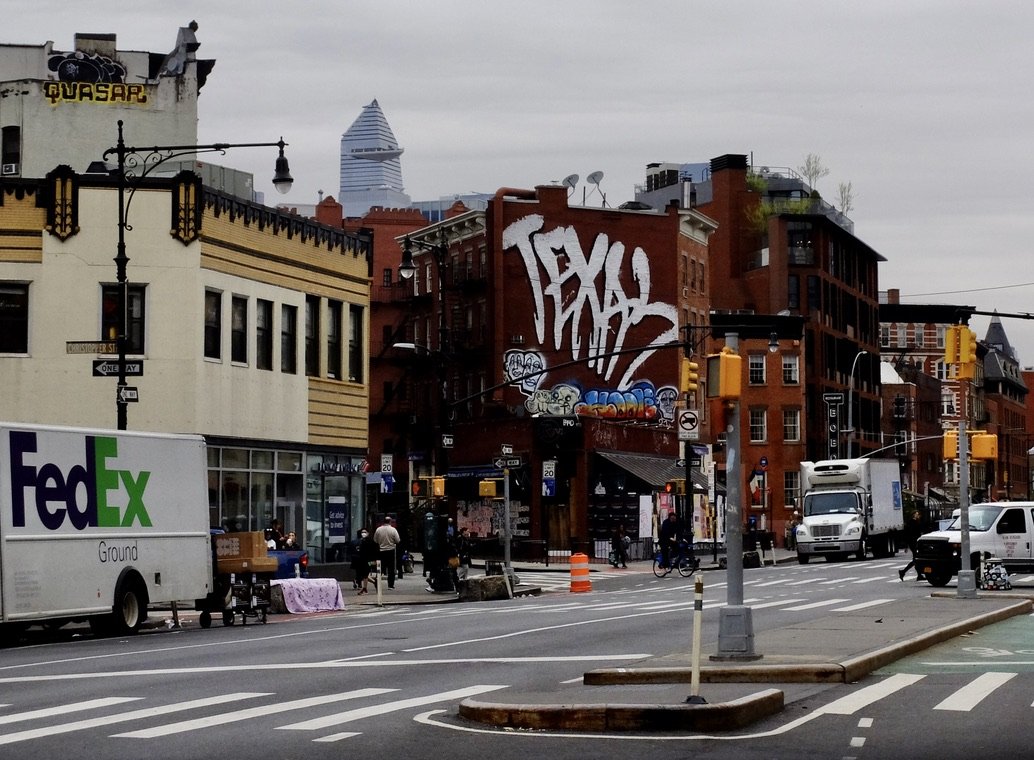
point(81, 494)
point(108, 552)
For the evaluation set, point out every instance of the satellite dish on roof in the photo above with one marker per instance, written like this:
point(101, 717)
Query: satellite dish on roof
point(570, 180)
point(595, 178)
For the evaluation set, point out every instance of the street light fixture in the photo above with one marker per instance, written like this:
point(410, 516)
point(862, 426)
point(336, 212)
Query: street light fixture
point(850, 404)
point(134, 165)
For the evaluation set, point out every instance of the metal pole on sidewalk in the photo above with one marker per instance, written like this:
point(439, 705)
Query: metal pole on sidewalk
point(379, 584)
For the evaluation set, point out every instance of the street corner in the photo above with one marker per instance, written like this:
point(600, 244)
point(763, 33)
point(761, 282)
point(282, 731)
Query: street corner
point(622, 717)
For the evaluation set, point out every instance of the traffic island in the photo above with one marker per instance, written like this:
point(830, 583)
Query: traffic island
point(722, 716)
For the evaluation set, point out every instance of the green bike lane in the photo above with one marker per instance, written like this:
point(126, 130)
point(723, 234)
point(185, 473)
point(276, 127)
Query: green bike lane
point(1005, 646)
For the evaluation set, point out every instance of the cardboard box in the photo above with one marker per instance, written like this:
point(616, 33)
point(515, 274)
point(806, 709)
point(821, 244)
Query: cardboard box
point(240, 545)
point(246, 565)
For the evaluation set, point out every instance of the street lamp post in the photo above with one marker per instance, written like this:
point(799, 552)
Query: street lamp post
point(134, 165)
point(850, 404)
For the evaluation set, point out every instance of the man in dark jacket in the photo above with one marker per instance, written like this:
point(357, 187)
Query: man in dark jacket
point(670, 535)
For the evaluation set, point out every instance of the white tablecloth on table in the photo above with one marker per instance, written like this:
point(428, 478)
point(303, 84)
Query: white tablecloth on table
point(309, 594)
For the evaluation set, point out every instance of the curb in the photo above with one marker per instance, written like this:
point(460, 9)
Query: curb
point(618, 717)
point(846, 671)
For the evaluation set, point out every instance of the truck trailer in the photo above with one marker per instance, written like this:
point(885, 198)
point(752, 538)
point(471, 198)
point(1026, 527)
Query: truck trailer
point(96, 525)
point(849, 506)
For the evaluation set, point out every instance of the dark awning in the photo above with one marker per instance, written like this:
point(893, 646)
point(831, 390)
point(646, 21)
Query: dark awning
point(655, 471)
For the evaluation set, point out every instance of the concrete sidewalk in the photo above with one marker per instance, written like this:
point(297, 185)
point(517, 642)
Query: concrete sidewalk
point(836, 648)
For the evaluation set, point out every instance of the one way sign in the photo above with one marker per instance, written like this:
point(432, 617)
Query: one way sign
point(108, 368)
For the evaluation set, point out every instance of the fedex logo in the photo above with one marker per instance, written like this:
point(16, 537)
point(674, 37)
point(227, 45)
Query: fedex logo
point(81, 494)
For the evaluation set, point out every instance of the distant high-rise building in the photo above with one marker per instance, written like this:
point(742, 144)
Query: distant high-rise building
point(371, 173)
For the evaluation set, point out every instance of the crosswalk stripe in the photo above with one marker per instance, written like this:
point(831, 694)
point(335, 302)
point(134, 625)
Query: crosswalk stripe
point(801, 583)
point(973, 693)
point(252, 712)
point(147, 712)
point(837, 580)
point(862, 605)
point(90, 704)
point(813, 605)
point(403, 704)
point(776, 603)
point(865, 696)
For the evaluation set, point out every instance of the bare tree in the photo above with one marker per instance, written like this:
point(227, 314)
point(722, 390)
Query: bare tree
point(846, 197)
point(813, 170)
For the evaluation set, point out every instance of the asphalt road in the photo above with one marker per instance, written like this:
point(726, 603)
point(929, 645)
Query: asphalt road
point(370, 681)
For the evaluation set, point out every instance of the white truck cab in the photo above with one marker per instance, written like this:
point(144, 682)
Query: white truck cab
point(1001, 529)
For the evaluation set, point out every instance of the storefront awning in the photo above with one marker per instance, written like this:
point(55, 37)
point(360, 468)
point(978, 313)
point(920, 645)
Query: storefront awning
point(655, 471)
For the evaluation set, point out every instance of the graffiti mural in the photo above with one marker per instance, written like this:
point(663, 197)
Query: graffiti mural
point(558, 401)
point(524, 369)
point(91, 92)
point(86, 67)
point(588, 297)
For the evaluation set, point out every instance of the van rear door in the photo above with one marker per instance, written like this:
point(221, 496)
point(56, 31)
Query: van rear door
point(1012, 534)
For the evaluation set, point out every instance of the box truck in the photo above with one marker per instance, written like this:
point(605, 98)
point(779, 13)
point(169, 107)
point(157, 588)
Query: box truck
point(96, 525)
point(849, 506)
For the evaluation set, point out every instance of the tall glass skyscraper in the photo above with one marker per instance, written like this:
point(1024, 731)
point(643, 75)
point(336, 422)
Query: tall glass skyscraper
point(371, 172)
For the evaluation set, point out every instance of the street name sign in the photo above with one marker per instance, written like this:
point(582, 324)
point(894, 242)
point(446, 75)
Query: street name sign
point(90, 347)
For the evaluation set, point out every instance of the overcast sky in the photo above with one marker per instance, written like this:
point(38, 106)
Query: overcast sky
point(925, 107)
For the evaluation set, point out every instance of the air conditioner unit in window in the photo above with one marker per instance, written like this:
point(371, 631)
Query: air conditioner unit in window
point(721, 439)
point(10, 169)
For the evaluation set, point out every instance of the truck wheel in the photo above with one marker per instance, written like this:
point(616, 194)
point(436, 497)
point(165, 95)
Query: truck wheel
point(206, 619)
point(861, 549)
point(938, 579)
point(130, 606)
point(802, 559)
point(227, 617)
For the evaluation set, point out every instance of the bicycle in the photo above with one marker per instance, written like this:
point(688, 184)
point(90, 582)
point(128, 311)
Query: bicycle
point(682, 559)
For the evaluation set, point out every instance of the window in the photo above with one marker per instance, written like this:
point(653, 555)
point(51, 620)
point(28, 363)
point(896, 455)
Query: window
point(334, 339)
point(386, 277)
point(791, 369)
point(134, 316)
point(10, 145)
point(793, 292)
point(213, 324)
point(756, 369)
point(288, 339)
point(312, 336)
point(791, 488)
point(758, 427)
point(792, 425)
point(239, 329)
point(14, 318)
point(355, 344)
point(264, 334)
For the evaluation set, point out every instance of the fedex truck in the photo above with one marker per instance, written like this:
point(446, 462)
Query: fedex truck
point(849, 506)
point(96, 525)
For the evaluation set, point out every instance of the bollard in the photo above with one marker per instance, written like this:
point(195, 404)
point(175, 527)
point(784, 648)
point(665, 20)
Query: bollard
point(580, 573)
point(698, 615)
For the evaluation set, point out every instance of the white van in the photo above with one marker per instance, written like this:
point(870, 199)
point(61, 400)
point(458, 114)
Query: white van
point(1002, 529)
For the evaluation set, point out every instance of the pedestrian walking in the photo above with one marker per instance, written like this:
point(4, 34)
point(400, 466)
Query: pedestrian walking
point(463, 549)
point(387, 539)
point(619, 547)
point(367, 552)
point(913, 530)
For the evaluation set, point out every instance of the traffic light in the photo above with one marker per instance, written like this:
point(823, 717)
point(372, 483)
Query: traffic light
point(951, 444)
point(967, 353)
point(421, 488)
point(486, 488)
point(984, 446)
point(677, 486)
point(689, 376)
point(724, 375)
point(438, 486)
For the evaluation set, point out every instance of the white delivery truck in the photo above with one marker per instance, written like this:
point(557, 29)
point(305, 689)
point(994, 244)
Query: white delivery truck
point(98, 524)
point(1004, 530)
point(847, 506)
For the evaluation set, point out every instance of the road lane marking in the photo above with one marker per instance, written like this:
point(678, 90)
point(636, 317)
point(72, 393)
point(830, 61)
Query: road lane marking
point(142, 714)
point(48, 712)
point(837, 580)
point(973, 693)
point(251, 712)
point(813, 605)
point(777, 603)
point(314, 724)
point(862, 605)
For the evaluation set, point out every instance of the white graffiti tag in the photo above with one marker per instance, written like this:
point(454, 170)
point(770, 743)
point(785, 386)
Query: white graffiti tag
point(574, 288)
